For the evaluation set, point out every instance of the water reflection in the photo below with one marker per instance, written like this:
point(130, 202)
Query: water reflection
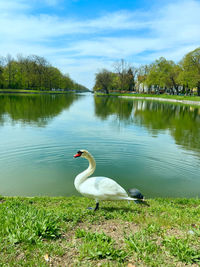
point(37, 160)
point(106, 106)
point(34, 109)
point(183, 122)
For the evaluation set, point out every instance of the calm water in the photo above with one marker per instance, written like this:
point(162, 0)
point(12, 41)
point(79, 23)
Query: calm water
point(149, 145)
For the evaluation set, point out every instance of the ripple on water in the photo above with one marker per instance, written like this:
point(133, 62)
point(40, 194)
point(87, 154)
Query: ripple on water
point(38, 152)
point(37, 156)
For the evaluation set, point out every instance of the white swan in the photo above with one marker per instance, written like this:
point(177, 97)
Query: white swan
point(100, 188)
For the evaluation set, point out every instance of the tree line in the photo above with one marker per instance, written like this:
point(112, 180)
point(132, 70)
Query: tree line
point(34, 73)
point(161, 76)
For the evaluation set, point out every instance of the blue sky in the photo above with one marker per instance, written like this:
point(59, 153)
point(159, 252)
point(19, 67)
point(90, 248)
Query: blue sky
point(80, 37)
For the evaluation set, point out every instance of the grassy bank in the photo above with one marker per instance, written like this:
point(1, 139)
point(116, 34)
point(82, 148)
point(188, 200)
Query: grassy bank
point(22, 91)
point(44, 231)
point(165, 96)
point(176, 97)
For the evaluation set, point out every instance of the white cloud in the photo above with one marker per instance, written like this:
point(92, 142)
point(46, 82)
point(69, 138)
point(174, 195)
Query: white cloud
point(175, 54)
point(29, 27)
point(119, 21)
point(179, 22)
point(13, 6)
point(115, 47)
point(80, 47)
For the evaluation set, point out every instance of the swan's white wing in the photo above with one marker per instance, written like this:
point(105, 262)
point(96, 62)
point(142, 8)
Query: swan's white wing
point(102, 188)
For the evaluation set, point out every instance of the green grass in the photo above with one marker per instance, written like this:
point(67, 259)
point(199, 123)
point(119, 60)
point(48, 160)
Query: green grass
point(23, 91)
point(98, 246)
point(58, 231)
point(21, 223)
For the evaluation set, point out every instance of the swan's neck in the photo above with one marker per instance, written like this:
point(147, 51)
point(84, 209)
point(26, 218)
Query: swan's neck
point(81, 177)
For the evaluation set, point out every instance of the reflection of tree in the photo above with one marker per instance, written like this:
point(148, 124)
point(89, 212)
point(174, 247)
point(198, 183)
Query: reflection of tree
point(37, 109)
point(106, 106)
point(183, 122)
point(153, 115)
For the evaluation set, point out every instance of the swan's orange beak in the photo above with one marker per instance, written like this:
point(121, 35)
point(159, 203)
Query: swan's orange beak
point(77, 155)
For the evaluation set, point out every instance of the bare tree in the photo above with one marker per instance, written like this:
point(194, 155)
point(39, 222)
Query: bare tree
point(121, 68)
point(126, 73)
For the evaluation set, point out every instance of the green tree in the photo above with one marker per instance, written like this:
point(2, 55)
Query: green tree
point(131, 76)
point(163, 74)
point(103, 81)
point(34, 72)
point(190, 75)
point(1, 72)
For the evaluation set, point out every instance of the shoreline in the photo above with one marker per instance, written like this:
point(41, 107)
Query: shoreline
point(188, 102)
point(37, 92)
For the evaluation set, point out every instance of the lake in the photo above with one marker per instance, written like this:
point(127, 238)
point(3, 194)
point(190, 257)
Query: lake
point(150, 145)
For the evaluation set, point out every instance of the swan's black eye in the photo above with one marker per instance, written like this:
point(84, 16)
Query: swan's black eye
point(80, 152)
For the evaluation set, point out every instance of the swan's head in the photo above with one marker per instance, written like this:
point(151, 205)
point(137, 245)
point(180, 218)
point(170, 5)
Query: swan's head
point(82, 153)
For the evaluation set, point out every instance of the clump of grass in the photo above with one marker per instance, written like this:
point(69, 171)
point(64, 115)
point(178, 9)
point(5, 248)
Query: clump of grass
point(24, 223)
point(99, 246)
point(144, 244)
point(151, 243)
point(182, 249)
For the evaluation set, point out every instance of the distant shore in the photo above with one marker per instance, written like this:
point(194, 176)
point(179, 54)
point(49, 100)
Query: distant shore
point(22, 91)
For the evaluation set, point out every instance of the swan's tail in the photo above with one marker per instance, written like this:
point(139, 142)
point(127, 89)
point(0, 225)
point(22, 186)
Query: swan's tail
point(137, 196)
